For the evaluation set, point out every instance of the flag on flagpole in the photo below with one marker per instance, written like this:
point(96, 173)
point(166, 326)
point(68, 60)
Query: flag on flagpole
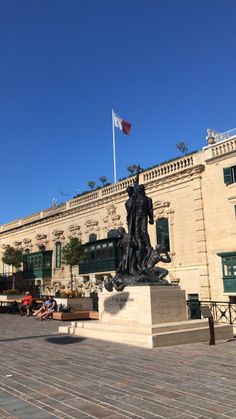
point(120, 123)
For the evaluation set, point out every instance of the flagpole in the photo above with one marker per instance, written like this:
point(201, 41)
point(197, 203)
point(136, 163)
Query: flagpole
point(114, 146)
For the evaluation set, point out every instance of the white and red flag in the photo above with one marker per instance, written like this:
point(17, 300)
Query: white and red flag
point(125, 127)
point(120, 123)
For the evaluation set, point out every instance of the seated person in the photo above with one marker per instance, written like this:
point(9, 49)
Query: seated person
point(26, 304)
point(51, 307)
point(43, 307)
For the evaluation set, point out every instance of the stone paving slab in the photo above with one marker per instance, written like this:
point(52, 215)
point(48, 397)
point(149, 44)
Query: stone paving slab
point(46, 375)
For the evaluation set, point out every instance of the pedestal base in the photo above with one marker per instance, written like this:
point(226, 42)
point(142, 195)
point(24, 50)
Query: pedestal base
point(147, 316)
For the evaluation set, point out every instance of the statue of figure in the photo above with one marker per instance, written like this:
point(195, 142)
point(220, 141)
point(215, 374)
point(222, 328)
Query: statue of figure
point(152, 258)
point(138, 258)
point(143, 211)
point(128, 246)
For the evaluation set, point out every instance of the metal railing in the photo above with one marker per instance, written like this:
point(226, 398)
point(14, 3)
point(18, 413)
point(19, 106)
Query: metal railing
point(222, 311)
point(220, 136)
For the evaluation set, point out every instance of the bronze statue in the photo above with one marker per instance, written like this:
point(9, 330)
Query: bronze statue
point(138, 258)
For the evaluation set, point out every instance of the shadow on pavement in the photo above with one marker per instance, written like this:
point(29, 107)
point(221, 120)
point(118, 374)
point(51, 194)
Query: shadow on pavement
point(27, 337)
point(64, 340)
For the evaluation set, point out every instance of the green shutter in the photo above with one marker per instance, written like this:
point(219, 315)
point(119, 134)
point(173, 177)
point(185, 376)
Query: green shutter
point(58, 254)
point(228, 175)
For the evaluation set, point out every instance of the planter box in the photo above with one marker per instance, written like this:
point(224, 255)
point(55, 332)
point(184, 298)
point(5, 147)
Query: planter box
point(77, 304)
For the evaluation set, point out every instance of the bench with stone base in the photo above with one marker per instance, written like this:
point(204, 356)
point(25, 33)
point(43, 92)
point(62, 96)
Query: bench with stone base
point(76, 315)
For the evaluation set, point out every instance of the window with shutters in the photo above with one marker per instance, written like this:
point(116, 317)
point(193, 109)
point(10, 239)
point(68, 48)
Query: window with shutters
point(228, 261)
point(58, 255)
point(229, 175)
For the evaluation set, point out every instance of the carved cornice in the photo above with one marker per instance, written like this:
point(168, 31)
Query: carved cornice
point(58, 235)
point(74, 229)
point(17, 243)
point(91, 226)
point(26, 243)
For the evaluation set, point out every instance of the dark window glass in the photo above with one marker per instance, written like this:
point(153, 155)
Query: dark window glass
point(112, 233)
point(92, 237)
point(162, 229)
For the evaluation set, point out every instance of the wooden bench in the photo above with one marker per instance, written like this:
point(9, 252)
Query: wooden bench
point(76, 315)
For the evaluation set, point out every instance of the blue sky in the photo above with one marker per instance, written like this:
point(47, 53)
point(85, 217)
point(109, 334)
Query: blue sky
point(166, 66)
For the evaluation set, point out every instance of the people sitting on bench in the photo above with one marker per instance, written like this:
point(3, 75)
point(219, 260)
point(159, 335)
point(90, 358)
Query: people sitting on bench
point(26, 304)
point(51, 307)
point(43, 308)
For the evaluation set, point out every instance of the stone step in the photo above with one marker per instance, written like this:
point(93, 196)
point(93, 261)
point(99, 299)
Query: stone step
point(165, 338)
point(132, 327)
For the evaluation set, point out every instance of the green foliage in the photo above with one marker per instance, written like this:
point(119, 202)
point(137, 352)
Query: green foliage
point(182, 147)
point(12, 257)
point(133, 169)
point(11, 292)
point(91, 184)
point(72, 252)
point(103, 179)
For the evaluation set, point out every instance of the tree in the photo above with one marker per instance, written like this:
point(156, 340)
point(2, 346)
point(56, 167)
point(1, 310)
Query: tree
point(134, 168)
point(72, 253)
point(182, 147)
point(14, 258)
point(103, 180)
point(91, 184)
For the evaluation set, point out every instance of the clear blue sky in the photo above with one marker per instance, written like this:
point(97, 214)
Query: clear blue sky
point(167, 66)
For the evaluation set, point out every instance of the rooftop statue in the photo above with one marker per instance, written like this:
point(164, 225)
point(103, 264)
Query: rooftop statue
point(138, 258)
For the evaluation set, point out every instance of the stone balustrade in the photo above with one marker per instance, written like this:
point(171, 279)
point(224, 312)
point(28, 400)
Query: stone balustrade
point(168, 168)
point(223, 148)
point(145, 177)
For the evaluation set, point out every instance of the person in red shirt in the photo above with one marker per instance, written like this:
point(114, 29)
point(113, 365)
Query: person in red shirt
point(26, 304)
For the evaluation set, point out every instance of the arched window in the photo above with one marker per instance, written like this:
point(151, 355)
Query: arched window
point(162, 229)
point(92, 237)
point(112, 233)
point(58, 254)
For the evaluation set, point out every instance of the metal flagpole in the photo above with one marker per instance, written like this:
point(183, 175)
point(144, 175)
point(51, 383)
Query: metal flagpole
point(114, 145)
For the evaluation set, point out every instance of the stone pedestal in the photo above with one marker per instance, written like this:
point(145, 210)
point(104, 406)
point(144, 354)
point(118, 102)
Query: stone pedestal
point(147, 316)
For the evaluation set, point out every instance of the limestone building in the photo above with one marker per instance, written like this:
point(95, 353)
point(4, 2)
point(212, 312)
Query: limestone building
point(194, 200)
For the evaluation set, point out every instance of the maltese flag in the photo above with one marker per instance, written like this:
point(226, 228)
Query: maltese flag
point(121, 124)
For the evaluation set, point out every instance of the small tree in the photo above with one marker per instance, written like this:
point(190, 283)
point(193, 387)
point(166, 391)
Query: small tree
point(91, 184)
point(103, 180)
point(72, 253)
point(134, 168)
point(14, 258)
point(182, 147)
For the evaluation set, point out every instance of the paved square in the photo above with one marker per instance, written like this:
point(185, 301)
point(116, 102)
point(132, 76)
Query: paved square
point(44, 374)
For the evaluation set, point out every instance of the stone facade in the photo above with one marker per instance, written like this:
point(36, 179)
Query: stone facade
point(190, 192)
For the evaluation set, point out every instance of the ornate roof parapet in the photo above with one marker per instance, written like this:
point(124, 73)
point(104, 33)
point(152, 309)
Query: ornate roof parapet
point(177, 167)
